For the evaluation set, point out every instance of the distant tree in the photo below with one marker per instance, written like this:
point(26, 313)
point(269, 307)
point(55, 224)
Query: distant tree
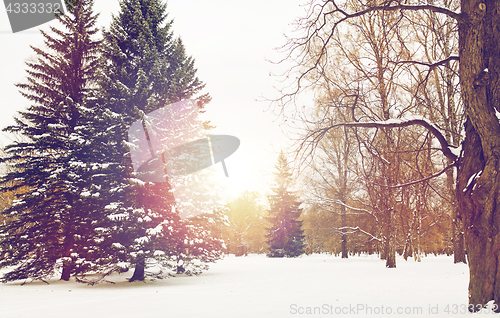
point(50, 224)
point(285, 236)
point(247, 222)
point(331, 181)
point(320, 231)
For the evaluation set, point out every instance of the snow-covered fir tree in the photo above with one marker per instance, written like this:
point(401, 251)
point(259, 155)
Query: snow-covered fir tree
point(285, 236)
point(144, 69)
point(50, 222)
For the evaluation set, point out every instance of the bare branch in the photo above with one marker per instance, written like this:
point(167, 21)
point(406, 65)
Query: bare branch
point(403, 7)
point(429, 65)
point(354, 209)
point(392, 123)
point(421, 180)
point(358, 229)
point(323, 21)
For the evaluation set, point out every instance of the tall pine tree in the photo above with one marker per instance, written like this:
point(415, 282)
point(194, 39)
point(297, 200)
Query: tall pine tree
point(285, 236)
point(50, 222)
point(145, 69)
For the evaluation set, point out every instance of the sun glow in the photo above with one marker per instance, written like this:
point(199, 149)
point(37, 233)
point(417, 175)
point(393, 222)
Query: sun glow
point(246, 171)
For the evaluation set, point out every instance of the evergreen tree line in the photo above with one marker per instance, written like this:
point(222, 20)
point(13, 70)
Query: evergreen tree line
point(75, 207)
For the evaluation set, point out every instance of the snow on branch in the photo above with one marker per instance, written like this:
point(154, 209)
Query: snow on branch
point(429, 65)
point(395, 6)
point(358, 229)
point(317, 135)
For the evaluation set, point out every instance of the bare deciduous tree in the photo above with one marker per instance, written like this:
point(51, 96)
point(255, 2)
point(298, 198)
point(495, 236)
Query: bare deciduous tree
point(478, 176)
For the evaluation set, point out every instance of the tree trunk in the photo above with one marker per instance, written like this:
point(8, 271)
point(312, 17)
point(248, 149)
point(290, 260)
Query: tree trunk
point(407, 251)
point(66, 272)
point(383, 249)
point(408, 248)
point(459, 245)
point(458, 240)
point(343, 235)
point(480, 214)
point(457, 237)
point(138, 271)
point(452, 135)
point(67, 247)
point(418, 253)
point(390, 261)
point(67, 261)
point(478, 179)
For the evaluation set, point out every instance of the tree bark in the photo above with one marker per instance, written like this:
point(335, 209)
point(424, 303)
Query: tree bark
point(459, 245)
point(66, 272)
point(67, 261)
point(407, 251)
point(478, 179)
point(343, 242)
point(390, 261)
point(418, 253)
point(453, 136)
point(457, 237)
point(138, 271)
point(458, 240)
point(67, 248)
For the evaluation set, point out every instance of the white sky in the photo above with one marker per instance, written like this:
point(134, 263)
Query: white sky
point(230, 41)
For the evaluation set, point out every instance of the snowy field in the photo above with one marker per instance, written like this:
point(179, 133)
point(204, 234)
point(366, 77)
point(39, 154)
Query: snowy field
point(256, 286)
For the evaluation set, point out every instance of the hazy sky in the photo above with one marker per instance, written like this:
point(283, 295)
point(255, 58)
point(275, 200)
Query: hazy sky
point(230, 41)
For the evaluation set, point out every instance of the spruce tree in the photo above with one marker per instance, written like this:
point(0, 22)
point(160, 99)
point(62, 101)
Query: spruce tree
point(50, 221)
point(145, 69)
point(285, 236)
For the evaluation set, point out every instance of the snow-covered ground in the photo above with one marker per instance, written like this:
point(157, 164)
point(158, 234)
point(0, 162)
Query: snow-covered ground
point(256, 286)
